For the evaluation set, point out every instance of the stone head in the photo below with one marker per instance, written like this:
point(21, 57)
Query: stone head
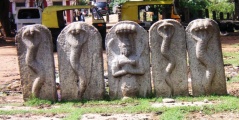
point(125, 33)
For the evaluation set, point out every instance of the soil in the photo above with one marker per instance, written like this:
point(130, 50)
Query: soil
point(10, 90)
point(231, 44)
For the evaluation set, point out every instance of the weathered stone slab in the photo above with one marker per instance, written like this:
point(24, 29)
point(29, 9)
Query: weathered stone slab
point(128, 61)
point(168, 58)
point(205, 58)
point(80, 62)
point(35, 55)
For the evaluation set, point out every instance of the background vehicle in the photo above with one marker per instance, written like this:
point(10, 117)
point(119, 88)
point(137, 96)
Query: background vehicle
point(53, 17)
point(146, 13)
point(103, 7)
point(28, 16)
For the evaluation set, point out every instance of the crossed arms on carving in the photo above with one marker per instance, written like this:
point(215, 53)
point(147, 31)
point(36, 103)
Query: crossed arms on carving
point(123, 67)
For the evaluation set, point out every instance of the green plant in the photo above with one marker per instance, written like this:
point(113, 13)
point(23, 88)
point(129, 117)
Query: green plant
point(194, 6)
point(82, 2)
point(231, 58)
point(224, 7)
point(233, 79)
point(33, 101)
point(74, 110)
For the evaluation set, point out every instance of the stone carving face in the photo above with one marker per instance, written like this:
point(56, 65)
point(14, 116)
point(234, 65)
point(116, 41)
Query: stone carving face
point(77, 36)
point(126, 33)
point(29, 32)
point(166, 30)
point(28, 36)
point(125, 47)
point(201, 29)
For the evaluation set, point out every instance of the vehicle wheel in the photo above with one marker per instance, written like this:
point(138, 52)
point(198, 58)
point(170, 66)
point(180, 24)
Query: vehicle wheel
point(230, 27)
point(223, 27)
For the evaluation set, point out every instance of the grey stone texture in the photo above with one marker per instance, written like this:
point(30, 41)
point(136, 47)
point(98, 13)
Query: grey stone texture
point(35, 55)
point(168, 58)
point(80, 62)
point(128, 61)
point(205, 58)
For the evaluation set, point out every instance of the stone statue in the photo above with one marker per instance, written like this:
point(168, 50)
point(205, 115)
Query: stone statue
point(205, 58)
point(128, 61)
point(36, 62)
point(76, 39)
point(168, 58)
point(80, 62)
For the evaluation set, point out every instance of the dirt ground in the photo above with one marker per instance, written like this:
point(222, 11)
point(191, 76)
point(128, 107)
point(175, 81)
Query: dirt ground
point(10, 90)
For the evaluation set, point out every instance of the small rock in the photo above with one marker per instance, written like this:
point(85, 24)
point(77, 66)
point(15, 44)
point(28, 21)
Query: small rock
point(14, 85)
point(168, 100)
point(106, 83)
point(205, 101)
point(158, 113)
point(60, 116)
point(106, 75)
point(105, 114)
point(90, 117)
point(125, 98)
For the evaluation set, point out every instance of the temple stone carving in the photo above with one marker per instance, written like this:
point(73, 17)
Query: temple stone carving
point(205, 58)
point(168, 58)
point(35, 55)
point(128, 61)
point(80, 62)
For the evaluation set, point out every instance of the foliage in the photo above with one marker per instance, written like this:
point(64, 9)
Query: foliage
point(117, 2)
point(35, 102)
point(224, 7)
point(231, 57)
point(194, 5)
point(82, 2)
point(233, 79)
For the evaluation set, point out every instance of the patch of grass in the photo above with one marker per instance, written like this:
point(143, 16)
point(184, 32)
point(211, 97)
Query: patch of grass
point(231, 58)
point(172, 114)
point(33, 101)
point(235, 45)
point(11, 104)
point(227, 103)
point(233, 79)
point(13, 112)
point(74, 110)
point(144, 106)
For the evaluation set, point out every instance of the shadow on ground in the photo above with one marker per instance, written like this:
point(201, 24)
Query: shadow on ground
point(7, 42)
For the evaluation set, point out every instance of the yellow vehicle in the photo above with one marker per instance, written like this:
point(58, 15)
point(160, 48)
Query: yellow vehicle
point(53, 17)
point(147, 12)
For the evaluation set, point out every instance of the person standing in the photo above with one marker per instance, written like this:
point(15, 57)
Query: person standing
point(81, 17)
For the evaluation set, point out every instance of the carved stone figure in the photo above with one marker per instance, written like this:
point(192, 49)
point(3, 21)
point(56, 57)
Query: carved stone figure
point(128, 61)
point(205, 58)
point(80, 62)
point(168, 58)
point(35, 54)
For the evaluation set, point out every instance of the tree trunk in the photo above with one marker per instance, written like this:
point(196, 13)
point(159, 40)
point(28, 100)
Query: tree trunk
point(237, 9)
